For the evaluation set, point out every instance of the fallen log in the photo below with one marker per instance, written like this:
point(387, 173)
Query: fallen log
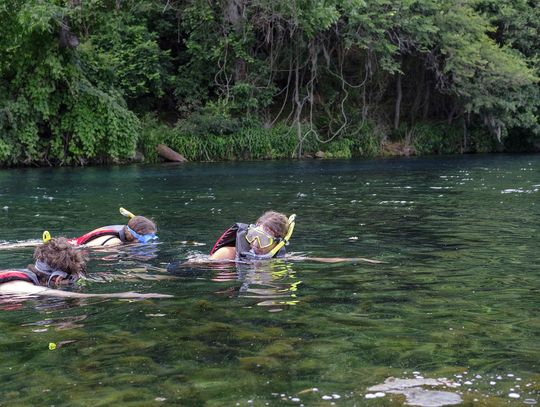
point(169, 154)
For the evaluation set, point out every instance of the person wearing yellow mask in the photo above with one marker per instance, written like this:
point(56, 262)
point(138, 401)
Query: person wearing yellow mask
point(263, 240)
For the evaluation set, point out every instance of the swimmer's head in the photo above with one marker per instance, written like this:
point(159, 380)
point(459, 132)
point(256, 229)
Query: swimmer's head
point(145, 229)
point(269, 229)
point(58, 261)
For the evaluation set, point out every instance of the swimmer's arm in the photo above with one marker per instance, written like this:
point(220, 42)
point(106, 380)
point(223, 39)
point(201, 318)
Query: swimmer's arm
point(28, 243)
point(24, 288)
point(224, 253)
point(334, 259)
point(18, 287)
point(129, 294)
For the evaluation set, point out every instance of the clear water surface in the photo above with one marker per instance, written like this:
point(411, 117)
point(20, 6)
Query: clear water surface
point(457, 297)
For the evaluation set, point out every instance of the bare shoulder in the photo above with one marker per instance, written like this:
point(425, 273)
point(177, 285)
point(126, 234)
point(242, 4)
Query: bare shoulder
point(104, 241)
point(224, 253)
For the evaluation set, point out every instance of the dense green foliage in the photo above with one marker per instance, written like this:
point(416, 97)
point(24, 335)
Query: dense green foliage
point(51, 109)
point(91, 81)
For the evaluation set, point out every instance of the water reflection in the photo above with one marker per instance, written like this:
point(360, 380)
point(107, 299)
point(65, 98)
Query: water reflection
point(10, 303)
point(135, 252)
point(274, 283)
point(46, 305)
point(271, 283)
point(130, 274)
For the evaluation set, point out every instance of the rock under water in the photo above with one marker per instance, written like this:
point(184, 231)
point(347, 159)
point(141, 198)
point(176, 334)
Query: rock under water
point(416, 395)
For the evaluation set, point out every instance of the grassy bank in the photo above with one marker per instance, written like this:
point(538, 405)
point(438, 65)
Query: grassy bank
point(227, 139)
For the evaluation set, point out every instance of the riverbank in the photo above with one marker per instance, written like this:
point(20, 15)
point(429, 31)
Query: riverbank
point(229, 140)
point(207, 139)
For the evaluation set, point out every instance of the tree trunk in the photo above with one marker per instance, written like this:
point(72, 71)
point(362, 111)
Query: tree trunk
point(399, 95)
point(426, 102)
point(234, 11)
point(298, 112)
point(66, 38)
point(452, 113)
point(465, 131)
point(418, 96)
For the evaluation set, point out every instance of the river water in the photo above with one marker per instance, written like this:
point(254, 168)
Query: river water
point(457, 297)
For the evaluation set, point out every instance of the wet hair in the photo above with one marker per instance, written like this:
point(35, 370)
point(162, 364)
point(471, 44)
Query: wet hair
point(59, 254)
point(275, 222)
point(142, 225)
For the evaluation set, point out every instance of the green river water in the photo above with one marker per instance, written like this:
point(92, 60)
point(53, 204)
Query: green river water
point(458, 294)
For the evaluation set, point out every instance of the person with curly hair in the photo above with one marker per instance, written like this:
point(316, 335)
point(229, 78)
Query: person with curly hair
point(57, 263)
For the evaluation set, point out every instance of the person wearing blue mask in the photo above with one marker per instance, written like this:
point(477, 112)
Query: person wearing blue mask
point(138, 230)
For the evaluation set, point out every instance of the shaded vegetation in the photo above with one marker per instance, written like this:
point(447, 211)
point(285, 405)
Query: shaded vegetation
point(92, 81)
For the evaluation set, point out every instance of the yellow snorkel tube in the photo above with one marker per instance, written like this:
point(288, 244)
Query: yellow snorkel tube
point(46, 236)
point(286, 239)
point(126, 213)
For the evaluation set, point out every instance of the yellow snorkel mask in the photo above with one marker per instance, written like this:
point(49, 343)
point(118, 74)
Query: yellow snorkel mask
point(259, 235)
point(264, 240)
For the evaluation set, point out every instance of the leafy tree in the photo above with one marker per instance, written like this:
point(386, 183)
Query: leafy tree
point(341, 76)
point(50, 111)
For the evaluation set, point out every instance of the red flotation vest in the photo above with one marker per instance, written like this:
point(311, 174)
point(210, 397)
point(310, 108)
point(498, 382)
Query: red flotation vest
point(114, 231)
point(228, 238)
point(18, 275)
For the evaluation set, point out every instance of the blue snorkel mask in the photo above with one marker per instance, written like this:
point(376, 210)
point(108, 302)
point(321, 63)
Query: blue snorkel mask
point(149, 237)
point(51, 273)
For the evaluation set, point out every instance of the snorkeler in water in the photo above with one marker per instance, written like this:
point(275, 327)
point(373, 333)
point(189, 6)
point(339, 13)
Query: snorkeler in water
point(265, 239)
point(57, 263)
point(139, 229)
